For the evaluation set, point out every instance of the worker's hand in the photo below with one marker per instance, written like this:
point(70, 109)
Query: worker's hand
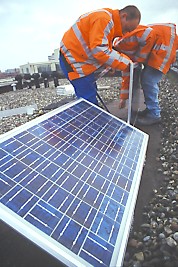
point(122, 103)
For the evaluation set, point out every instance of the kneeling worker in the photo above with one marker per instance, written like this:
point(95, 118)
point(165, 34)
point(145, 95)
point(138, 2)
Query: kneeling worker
point(155, 46)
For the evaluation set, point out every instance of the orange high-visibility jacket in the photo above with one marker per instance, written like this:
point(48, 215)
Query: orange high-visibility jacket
point(87, 45)
point(154, 45)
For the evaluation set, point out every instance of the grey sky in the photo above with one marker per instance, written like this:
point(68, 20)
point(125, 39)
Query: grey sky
point(31, 30)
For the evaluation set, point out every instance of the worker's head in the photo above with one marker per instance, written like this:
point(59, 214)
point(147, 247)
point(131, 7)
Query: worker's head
point(130, 18)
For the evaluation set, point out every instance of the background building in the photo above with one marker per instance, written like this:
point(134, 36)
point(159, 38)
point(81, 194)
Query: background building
point(38, 67)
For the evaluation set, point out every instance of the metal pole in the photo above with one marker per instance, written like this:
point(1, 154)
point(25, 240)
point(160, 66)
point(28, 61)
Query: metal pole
point(130, 92)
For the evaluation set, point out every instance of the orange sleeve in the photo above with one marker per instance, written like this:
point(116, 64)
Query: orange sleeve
point(124, 90)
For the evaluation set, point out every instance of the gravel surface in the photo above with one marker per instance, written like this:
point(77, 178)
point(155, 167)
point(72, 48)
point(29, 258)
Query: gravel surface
point(156, 242)
point(43, 97)
point(20, 98)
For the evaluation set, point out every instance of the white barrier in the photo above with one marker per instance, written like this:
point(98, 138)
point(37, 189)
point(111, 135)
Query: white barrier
point(67, 90)
point(15, 111)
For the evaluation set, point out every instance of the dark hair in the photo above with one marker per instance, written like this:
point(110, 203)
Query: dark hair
point(132, 11)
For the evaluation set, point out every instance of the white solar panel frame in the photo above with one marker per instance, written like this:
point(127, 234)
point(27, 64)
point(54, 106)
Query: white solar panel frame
point(48, 243)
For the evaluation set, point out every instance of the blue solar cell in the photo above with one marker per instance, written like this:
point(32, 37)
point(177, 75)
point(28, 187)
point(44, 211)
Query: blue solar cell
point(59, 228)
point(73, 236)
point(19, 198)
point(27, 206)
point(95, 254)
point(34, 182)
point(72, 175)
point(11, 146)
point(42, 148)
point(3, 154)
point(6, 184)
point(7, 164)
point(10, 194)
point(15, 169)
point(80, 214)
point(90, 217)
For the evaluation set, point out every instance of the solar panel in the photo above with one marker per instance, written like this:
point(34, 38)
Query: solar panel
point(69, 182)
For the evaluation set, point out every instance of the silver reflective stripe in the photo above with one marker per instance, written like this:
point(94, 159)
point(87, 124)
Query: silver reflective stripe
point(145, 35)
point(78, 66)
point(164, 47)
point(126, 91)
point(156, 47)
point(169, 48)
point(135, 38)
point(66, 52)
point(103, 48)
point(104, 41)
point(161, 24)
point(113, 55)
point(119, 58)
point(91, 59)
point(99, 49)
point(81, 40)
point(94, 11)
point(107, 30)
point(68, 55)
point(111, 60)
point(71, 59)
point(85, 47)
point(141, 39)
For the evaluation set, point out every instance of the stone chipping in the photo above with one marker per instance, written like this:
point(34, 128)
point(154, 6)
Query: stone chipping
point(156, 242)
point(43, 97)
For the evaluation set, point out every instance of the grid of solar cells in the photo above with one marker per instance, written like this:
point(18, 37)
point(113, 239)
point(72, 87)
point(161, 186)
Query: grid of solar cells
point(70, 176)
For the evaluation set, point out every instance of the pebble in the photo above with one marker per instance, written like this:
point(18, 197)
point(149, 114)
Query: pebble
point(146, 238)
point(139, 256)
point(156, 243)
point(168, 230)
point(133, 243)
point(171, 242)
point(159, 227)
point(145, 225)
point(162, 236)
point(175, 236)
point(43, 97)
